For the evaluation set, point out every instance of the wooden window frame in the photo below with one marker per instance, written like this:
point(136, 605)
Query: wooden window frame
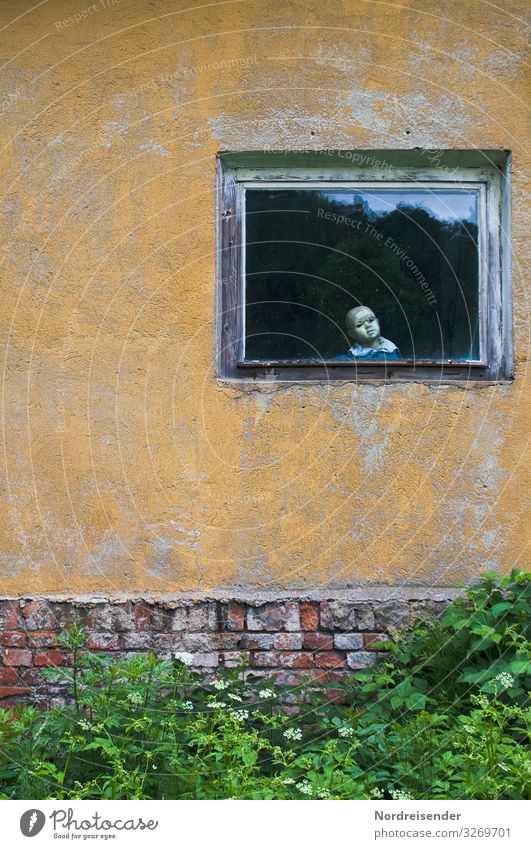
point(487, 170)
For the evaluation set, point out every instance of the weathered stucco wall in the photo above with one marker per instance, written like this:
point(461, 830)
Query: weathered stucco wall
point(127, 467)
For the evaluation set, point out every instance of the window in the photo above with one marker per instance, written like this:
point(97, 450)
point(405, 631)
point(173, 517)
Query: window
point(351, 264)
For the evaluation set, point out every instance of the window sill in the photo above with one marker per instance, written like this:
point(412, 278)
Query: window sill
point(248, 379)
point(377, 371)
point(360, 364)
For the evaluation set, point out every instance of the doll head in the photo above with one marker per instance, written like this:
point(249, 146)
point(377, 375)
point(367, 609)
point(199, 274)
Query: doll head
point(363, 327)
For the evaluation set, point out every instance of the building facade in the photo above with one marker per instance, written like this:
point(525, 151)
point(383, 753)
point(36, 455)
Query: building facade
point(147, 496)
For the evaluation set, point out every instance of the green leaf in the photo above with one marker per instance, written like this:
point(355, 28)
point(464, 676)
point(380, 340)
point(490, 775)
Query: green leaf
point(417, 701)
point(482, 644)
point(403, 689)
point(474, 676)
point(500, 608)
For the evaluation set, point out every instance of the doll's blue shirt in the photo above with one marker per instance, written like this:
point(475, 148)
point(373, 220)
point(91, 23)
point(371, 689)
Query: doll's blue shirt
point(386, 350)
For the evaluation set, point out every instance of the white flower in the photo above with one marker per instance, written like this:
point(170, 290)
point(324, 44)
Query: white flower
point(376, 793)
point(185, 657)
point(323, 793)
point(135, 698)
point(266, 694)
point(234, 697)
point(220, 685)
point(216, 704)
point(85, 724)
point(469, 729)
point(305, 788)
point(345, 731)
point(240, 715)
point(188, 706)
point(505, 679)
point(288, 781)
point(401, 795)
point(293, 734)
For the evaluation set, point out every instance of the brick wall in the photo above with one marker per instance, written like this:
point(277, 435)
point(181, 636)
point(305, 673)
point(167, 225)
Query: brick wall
point(287, 638)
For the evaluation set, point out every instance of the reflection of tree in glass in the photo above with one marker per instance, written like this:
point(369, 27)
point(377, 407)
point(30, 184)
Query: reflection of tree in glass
point(306, 271)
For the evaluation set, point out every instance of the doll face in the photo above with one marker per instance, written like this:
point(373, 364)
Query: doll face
point(363, 326)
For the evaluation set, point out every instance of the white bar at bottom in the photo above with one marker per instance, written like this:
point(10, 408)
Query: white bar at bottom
point(267, 825)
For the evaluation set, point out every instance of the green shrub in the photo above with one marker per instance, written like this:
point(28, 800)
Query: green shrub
point(444, 716)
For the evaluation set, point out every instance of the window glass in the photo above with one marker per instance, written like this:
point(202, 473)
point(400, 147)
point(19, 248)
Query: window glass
point(409, 255)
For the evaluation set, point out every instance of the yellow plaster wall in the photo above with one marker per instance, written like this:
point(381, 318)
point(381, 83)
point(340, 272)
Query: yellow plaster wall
point(125, 465)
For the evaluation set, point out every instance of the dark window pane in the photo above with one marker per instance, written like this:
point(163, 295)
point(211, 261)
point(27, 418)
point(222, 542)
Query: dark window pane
point(410, 255)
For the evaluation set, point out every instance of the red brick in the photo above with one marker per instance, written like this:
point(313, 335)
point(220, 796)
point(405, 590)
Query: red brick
point(361, 659)
point(142, 616)
point(309, 616)
point(336, 697)
point(335, 675)
point(9, 611)
point(204, 641)
point(31, 677)
point(207, 659)
point(291, 710)
point(291, 679)
point(106, 618)
point(289, 660)
point(266, 658)
point(235, 616)
point(42, 639)
point(108, 642)
point(49, 658)
point(351, 615)
point(9, 676)
point(161, 619)
point(287, 641)
point(227, 640)
point(144, 641)
point(254, 674)
point(291, 616)
point(17, 657)
point(257, 619)
point(369, 639)
point(201, 617)
point(318, 675)
point(325, 617)
point(297, 660)
point(39, 616)
point(234, 658)
point(326, 675)
point(5, 692)
point(15, 639)
point(348, 642)
point(66, 615)
point(160, 642)
point(318, 642)
point(329, 659)
point(274, 616)
point(257, 641)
